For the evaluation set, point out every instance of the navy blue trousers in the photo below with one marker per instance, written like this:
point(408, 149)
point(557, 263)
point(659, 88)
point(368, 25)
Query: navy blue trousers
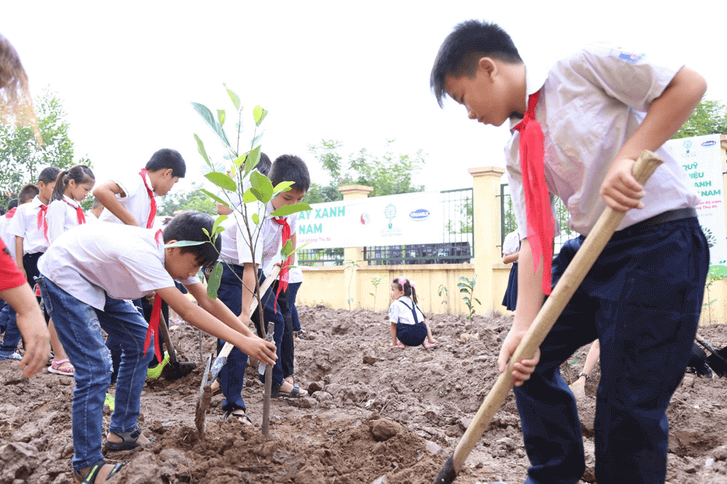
point(642, 299)
point(232, 375)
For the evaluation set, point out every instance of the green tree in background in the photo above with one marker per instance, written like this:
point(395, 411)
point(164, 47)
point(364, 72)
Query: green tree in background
point(193, 199)
point(388, 174)
point(710, 117)
point(22, 157)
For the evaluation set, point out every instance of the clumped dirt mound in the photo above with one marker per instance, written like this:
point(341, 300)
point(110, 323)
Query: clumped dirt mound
point(375, 414)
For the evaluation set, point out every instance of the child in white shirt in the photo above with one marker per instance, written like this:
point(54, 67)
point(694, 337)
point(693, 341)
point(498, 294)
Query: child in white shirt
point(86, 277)
point(408, 323)
point(64, 211)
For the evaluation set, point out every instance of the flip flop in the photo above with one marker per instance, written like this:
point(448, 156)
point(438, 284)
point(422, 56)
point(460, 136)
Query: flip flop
point(296, 392)
point(90, 476)
point(239, 414)
point(431, 346)
point(129, 441)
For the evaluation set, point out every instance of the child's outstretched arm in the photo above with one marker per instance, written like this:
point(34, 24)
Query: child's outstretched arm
point(197, 316)
point(106, 194)
point(32, 327)
point(249, 279)
point(530, 298)
point(665, 116)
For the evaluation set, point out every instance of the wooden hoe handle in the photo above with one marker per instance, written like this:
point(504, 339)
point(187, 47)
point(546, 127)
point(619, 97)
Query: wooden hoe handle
point(574, 274)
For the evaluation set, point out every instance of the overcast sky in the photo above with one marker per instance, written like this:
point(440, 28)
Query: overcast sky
point(356, 72)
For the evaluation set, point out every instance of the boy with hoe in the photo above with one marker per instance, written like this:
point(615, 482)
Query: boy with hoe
point(132, 201)
point(576, 133)
point(86, 276)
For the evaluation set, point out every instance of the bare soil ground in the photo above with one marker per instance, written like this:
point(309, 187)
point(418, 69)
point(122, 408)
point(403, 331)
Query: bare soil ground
point(376, 414)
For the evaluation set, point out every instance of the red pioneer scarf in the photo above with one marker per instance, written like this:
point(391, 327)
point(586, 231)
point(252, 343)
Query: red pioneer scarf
point(541, 227)
point(42, 222)
point(80, 216)
point(156, 312)
point(283, 284)
point(11, 212)
point(150, 192)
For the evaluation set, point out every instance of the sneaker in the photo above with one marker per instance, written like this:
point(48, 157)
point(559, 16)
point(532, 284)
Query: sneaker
point(10, 355)
point(156, 372)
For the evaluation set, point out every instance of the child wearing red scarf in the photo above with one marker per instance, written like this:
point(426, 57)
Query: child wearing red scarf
point(577, 129)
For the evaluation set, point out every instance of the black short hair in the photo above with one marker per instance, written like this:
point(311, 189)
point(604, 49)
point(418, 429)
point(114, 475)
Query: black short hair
point(465, 46)
point(188, 226)
point(263, 166)
point(13, 203)
point(48, 175)
point(167, 158)
point(28, 192)
point(290, 168)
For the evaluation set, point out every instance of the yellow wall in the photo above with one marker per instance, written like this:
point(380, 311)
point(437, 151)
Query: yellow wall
point(335, 286)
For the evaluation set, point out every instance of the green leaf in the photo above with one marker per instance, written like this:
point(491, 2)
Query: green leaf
point(259, 114)
point(213, 284)
point(221, 116)
point(261, 186)
point(286, 210)
point(240, 160)
point(253, 160)
point(256, 218)
point(283, 187)
point(184, 243)
point(234, 97)
point(222, 180)
point(285, 250)
point(214, 197)
point(202, 151)
point(206, 114)
point(249, 196)
point(217, 223)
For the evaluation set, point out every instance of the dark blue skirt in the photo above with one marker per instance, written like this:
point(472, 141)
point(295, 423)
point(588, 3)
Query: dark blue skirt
point(411, 334)
point(510, 299)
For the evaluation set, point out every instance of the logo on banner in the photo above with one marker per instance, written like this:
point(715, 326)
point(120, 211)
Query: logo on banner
point(419, 214)
point(709, 143)
point(364, 218)
point(687, 145)
point(390, 214)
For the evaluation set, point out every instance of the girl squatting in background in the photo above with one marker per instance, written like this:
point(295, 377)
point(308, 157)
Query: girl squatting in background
point(407, 319)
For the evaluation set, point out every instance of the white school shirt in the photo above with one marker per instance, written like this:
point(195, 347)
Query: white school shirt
point(511, 244)
point(590, 104)
point(398, 313)
point(272, 234)
point(136, 201)
point(235, 246)
point(93, 260)
point(8, 239)
point(25, 224)
point(61, 217)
